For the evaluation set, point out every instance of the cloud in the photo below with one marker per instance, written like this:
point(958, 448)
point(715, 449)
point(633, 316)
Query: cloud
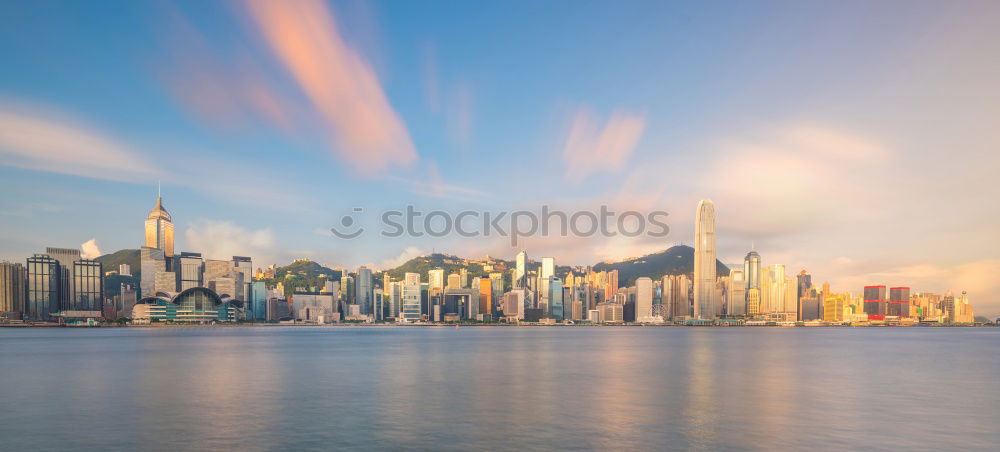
point(591, 149)
point(217, 239)
point(90, 250)
point(408, 253)
point(339, 83)
point(428, 182)
point(459, 116)
point(43, 139)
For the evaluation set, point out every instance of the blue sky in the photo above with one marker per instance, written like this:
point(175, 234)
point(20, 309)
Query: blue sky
point(854, 139)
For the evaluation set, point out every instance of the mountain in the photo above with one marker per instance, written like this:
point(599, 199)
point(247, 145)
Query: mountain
point(450, 264)
point(110, 262)
point(676, 260)
point(303, 274)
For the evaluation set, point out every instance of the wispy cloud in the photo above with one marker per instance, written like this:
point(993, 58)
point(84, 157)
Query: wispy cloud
point(217, 239)
point(591, 148)
point(340, 84)
point(45, 139)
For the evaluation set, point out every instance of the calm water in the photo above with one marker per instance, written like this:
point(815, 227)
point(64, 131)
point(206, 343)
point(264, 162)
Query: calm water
point(499, 388)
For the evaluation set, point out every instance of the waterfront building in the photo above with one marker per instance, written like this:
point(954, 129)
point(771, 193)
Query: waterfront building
point(555, 298)
point(242, 273)
point(485, 286)
point(611, 312)
point(644, 300)
point(12, 289)
point(704, 260)
point(410, 309)
point(364, 291)
point(166, 282)
point(257, 301)
point(875, 301)
point(66, 257)
point(87, 287)
point(547, 271)
point(899, 302)
point(194, 305)
point(43, 286)
point(736, 294)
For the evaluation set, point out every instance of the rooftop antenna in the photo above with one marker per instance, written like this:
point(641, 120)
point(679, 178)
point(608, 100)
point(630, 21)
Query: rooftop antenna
point(157, 189)
point(752, 246)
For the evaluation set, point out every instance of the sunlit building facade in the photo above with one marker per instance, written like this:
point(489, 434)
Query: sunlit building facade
point(160, 230)
point(704, 260)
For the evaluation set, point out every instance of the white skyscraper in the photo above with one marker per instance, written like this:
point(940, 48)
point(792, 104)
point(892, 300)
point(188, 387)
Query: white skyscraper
point(521, 271)
point(644, 300)
point(548, 271)
point(435, 278)
point(704, 260)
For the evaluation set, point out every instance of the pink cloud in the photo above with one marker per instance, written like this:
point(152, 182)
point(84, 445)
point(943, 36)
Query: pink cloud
point(340, 84)
point(591, 148)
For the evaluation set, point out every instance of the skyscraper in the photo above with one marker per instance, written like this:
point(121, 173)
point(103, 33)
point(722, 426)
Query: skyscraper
point(43, 284)
point(12, 278)
point(555, 298)
point(66, 258)
point(643, 299)
point(435, 278)
point(751, 272)
point(704, 260)
point(160, 230)
point(875, 301)
point(521, 271)
point(87, 288)
point(364, 294)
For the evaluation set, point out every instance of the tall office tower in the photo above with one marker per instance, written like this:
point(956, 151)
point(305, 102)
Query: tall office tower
point(751, 272)
point(547, 271)
point(411, 279)
point(410, 310)
point(612, 282)
point(87, 287)
point(643, 299)
point(803, 284)
point(364, 294)
point(485, 286)
point(386, 281)
point(395, 299)
point(497, 279)
point(556, 302)
point(43, 284)
point(454, 281)
point(899, 301)
point(875, 300)
point(190, 270)
point(521, 270)
point(242, 269)
point(435, 278)
point(753, 302)
point(704, 260)
point(12, 278)
point(160, 230)
point(463, 273)
point(151, 261)
point(736, 295)
point(257, 301)
point(66, 258)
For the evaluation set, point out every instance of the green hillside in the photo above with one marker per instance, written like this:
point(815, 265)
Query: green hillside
point(676, 260)
point(110, 262)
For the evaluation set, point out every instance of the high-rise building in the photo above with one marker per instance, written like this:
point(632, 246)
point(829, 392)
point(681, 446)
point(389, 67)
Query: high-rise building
point(751, 272)
point(454, 281)
point(411, 279)
point(410, 310)
point(875, 300)
point(547, 271)
point(257, 301)
point(555, 299)
point(899, 301)
point(521, 270)
point(242, 273)
point(12, 290)
point(43, 285)
point(87, 287)
point(803, 283)
point(190, 270)
point(643, 299)
point(704, 260)
point(151, 262)
point(736, 294)
point(485, 296)
point(160, 230)
point(435, 278)
point(66, 257)
point(364, 293)
point(124, 270)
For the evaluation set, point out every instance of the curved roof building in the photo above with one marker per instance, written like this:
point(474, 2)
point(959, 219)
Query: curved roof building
point(194, 305)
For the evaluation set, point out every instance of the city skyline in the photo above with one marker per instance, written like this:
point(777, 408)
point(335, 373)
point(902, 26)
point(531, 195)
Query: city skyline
point(880, 176)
